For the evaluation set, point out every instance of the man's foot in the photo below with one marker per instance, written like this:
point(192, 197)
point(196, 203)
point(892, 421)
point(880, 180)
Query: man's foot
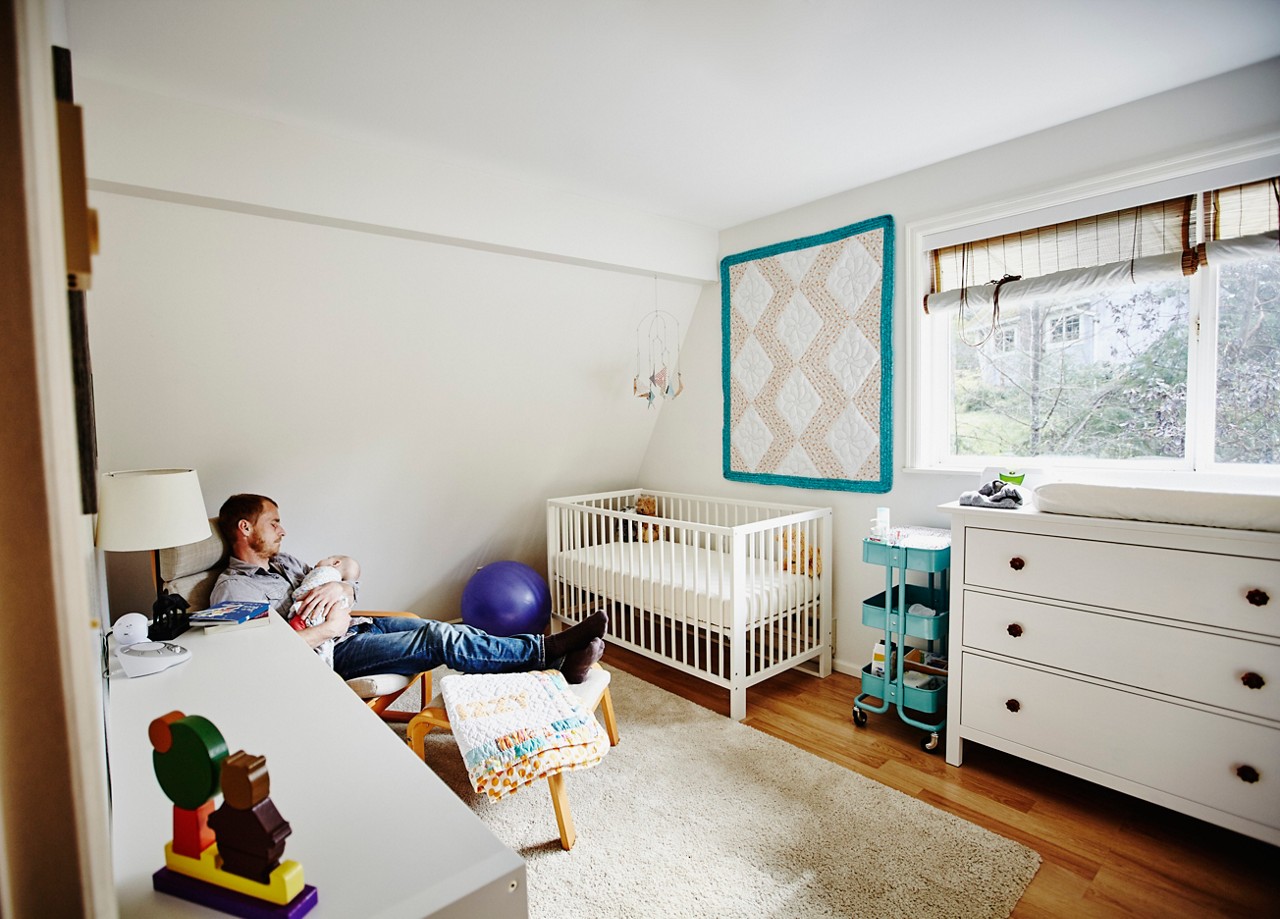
point(577, 663)
point(578, 636)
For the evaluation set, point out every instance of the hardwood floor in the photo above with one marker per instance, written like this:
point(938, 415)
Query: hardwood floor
point(1105, 854)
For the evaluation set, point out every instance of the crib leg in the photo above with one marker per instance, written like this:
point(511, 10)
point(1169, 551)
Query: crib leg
point(738, 703)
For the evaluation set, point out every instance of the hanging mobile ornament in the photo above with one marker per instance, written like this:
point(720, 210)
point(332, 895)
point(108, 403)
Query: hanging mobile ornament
point(657, 355)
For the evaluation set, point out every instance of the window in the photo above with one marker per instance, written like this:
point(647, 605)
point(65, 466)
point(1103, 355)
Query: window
point(1145, 337)
point(1064, 329)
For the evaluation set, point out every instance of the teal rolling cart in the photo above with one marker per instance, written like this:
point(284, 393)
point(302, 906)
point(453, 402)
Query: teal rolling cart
point(926, 550)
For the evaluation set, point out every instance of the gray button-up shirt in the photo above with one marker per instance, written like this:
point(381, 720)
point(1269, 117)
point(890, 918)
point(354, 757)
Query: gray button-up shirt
point(247, 581)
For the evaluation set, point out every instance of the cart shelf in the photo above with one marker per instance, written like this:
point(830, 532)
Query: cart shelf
point(932, 628)
point(926, 701)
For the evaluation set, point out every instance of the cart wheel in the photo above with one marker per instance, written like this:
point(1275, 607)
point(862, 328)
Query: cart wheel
point(929, 743)
point(859, 717)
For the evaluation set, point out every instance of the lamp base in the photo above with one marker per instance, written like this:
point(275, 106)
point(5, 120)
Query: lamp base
point(169, 617)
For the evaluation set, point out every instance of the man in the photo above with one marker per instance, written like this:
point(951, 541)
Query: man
point(259, 571)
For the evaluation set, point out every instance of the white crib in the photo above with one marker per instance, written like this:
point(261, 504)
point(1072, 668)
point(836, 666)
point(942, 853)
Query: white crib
point(730, 591)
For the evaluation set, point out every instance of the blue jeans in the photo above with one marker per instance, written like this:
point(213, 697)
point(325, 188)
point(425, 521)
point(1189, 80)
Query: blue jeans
point(408, 645)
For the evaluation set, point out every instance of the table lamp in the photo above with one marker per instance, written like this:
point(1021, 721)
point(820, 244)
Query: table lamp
point(146, 510)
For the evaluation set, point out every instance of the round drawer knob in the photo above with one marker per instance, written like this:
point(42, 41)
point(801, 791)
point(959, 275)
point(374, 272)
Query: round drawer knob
point(1014, 629)
point(1257, 597)
point(1018, 564)
point(1014, 705)
point(1253, 680)
point(1248, 774)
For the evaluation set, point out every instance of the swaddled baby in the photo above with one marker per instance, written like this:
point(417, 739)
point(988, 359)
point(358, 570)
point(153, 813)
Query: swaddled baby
point(333, 568)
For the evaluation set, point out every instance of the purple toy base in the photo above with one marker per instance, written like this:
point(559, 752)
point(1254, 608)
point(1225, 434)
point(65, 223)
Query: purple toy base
point(229, 901)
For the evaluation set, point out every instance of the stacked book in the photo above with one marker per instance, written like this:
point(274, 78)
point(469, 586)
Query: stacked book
point(234, 614)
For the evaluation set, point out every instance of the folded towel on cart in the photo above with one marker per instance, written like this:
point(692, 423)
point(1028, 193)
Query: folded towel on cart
point(516, 728)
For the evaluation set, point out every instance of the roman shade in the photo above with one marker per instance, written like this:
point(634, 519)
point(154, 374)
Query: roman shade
point(1136, 245)
point(1242, 222)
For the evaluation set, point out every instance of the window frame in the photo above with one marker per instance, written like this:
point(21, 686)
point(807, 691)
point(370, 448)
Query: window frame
point(927, 436)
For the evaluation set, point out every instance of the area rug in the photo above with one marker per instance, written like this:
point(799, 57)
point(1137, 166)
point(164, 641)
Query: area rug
point(695, 815)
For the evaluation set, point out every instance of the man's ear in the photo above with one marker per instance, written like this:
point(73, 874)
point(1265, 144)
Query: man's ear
point(245, 527)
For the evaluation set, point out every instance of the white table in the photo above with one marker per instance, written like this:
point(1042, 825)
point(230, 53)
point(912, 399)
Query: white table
point(376, 832)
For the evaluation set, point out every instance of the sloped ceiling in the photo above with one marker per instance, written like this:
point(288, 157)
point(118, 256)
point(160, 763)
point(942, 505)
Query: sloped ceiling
point(710, 111)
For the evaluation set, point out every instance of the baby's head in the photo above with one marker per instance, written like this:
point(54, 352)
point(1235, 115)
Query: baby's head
point(347, 566)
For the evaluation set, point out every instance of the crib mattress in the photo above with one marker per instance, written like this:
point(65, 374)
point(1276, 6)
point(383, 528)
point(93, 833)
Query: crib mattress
point(683, 583)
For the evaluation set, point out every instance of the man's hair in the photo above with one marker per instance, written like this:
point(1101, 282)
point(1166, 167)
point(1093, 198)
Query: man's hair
point(237, 508)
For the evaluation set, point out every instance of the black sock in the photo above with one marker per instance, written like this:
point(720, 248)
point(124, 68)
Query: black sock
point(578, 663)
point(562, 643)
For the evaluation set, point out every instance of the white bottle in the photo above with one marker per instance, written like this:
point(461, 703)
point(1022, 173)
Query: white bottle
point(880, 524)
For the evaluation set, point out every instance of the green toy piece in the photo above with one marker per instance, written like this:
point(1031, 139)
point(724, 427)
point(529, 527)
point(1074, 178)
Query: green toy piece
point(187, 757)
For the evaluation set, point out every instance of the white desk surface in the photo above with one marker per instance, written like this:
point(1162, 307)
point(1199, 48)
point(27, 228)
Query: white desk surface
point(376, 832)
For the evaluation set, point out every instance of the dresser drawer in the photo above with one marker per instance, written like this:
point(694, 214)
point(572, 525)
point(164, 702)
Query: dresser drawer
point(1199, 587)
point(1210, 668)
point(1181, 751)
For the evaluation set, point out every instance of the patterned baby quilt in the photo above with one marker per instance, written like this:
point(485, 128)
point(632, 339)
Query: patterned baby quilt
point(516, 728)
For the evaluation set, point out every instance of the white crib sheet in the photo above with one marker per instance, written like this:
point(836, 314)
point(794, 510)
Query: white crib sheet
point(684, 583)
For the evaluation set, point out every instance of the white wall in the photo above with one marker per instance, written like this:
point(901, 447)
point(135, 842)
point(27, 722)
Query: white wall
point(685, 453)
point(410, 402)
point(146, 143)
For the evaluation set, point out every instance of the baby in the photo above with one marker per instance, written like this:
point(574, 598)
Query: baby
point(333, 568)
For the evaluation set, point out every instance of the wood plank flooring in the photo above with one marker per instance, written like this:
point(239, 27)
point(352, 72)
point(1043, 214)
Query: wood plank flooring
point(1105, 854)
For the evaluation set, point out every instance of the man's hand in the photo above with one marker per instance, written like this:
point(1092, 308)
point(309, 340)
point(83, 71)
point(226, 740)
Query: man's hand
point(337, 624)
point(323, 600)
point(330, 603)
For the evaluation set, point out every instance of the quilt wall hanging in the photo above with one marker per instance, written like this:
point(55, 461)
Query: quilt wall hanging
point(807, 360)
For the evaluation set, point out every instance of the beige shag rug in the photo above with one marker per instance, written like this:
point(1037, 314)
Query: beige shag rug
point(695, 815)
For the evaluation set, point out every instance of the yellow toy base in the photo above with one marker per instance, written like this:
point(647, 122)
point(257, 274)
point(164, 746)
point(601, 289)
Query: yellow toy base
point(285, 884)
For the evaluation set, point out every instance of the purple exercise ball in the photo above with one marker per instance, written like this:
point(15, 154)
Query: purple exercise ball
point(507, 598)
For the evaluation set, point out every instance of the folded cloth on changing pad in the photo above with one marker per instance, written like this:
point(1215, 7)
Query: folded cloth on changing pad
point(516, 728)
point(993, 494)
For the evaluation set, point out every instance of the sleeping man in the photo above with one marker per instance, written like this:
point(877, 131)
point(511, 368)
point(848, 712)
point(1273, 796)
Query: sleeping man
point(258, 571)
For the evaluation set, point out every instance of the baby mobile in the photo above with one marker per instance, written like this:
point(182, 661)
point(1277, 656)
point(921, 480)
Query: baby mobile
point(657, 356)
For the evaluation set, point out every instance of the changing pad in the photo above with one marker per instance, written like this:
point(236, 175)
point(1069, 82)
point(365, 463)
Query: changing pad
point(1232, 510)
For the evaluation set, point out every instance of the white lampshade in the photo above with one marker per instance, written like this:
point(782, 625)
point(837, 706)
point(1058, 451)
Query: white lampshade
point(147, 509)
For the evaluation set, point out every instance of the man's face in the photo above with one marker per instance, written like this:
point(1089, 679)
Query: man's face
point(267, 533)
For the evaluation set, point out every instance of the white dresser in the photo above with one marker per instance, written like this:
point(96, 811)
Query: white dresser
point(1142, 656)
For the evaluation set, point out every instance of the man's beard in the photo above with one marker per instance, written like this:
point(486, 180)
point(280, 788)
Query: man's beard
point(262, 548)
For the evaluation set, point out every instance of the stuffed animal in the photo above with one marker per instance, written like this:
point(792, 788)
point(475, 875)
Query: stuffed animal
point(647, 506)
point(798, 556)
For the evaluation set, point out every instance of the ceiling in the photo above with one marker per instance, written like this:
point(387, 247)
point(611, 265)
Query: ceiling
point(711, 111)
